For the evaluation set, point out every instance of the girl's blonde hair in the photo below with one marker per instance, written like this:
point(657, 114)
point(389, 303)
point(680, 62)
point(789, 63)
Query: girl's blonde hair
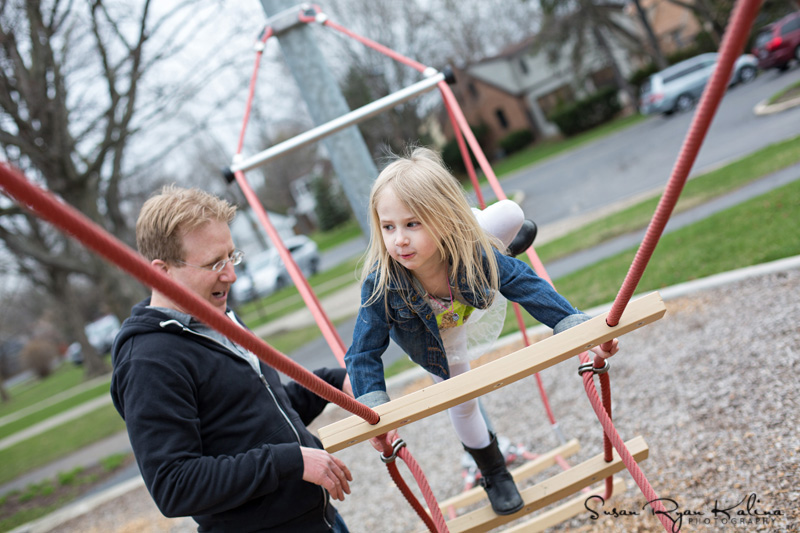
point(423, 184)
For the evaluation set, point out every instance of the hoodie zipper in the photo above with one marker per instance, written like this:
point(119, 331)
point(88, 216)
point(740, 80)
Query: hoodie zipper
point(269, 390)
point(324, 494)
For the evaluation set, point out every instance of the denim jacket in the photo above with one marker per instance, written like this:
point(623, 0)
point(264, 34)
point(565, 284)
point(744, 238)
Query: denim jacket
point(414, 328)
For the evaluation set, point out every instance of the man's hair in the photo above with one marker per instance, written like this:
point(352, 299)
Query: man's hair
point(433, 195)
point(172, 213)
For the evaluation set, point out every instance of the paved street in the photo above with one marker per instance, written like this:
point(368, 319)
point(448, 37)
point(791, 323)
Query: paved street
point(639, 160)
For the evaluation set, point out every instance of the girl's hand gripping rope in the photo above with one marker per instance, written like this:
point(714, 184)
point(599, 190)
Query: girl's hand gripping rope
point(604, 350)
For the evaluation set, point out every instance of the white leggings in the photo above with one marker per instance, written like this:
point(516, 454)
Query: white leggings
point(467, 418)
point(503, 220)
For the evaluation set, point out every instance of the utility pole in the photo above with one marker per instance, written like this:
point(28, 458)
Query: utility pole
point(349, 154)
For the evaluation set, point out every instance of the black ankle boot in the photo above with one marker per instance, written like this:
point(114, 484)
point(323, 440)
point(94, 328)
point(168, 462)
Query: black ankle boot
point(496, 479)
point(524, 238)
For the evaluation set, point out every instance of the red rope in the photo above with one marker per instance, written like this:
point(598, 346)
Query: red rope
point(462, 148)
point(630, 463)
point(409, 496)
point(462, 129)
point(732, 44)
point(301, 283)
point(367, 42)
point(73, 223)
point(419, 475)
point(266, 34)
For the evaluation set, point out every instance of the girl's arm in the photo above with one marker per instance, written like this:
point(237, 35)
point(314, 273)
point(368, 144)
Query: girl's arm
point(363, 358)
point(519, 283)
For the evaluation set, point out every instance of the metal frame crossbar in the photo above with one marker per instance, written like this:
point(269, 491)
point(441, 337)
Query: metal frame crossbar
point(434, 77)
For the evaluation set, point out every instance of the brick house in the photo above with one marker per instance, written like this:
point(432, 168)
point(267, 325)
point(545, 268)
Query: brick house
point(519, 87)
point(675, 27)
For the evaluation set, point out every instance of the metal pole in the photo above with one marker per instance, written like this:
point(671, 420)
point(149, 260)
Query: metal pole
point(349, 154)
point(354, 117)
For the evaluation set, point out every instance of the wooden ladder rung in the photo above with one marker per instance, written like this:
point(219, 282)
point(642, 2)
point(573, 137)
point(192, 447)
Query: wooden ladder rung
point(491, 376)
point(551, 490)
point(565, 511)
point(545, 460)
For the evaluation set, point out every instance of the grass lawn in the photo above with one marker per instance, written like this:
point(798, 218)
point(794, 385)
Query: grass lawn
point(32, 392)
point(40, 499)
point(760, 230)
point(43, 414)
point(288, 299)
point(696, 191)
point(59, 441)
point(330, 239)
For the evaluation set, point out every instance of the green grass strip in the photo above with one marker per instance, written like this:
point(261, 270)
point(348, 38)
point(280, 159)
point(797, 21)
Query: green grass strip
point(760, 230)
point(58, 442)
point(696, 192)
point(34, 391)
point(52, 410)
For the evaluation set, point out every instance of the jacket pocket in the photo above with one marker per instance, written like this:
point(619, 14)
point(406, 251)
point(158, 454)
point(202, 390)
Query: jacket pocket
point(407, 320)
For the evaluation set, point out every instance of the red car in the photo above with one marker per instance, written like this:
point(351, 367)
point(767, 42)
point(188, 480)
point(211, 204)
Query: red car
point(778, 43)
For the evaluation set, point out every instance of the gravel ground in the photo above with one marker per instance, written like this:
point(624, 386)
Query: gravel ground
point(710, 387)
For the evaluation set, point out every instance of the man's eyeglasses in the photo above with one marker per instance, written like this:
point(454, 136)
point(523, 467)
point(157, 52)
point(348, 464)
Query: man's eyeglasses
point(235, 258)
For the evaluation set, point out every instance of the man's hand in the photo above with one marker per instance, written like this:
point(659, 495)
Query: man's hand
point(327, 471)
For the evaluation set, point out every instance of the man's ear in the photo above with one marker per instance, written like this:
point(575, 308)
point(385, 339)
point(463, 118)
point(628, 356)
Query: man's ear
point(160, 264)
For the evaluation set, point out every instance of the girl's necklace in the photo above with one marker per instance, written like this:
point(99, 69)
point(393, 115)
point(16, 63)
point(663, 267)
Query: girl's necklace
point(449, 317)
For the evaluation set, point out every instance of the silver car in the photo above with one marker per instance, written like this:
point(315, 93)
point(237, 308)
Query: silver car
point(264, 272)
point(678, 87)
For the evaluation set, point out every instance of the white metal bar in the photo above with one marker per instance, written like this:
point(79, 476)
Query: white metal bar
point(339, 123)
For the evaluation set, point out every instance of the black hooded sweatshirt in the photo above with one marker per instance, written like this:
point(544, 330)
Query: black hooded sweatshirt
point(213, 439)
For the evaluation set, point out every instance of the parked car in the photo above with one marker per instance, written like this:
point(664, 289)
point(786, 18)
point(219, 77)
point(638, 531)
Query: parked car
point(778, 43)
point(264, 272)
point(678, 87)
point(101, 333)
point(74, 353)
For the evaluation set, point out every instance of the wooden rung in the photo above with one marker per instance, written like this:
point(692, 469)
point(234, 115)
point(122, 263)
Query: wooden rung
point(491, 376)
point(563, 512)
point(551, 490)
point(545, 460)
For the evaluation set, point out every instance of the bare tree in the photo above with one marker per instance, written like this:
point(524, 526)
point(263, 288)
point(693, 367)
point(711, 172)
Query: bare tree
point(435, 33)
point(658, 55)
point(79, 81)
point(711, 14)
point(581, 26)
point(714, 14)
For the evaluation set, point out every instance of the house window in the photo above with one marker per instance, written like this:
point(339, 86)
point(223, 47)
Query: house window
point(501, 118)
point(473, 91)
point(677, 38)
point(603, 78)
point(523, 66)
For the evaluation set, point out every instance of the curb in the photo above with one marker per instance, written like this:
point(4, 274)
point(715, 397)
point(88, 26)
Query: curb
point(762, 108)
point(53, 520)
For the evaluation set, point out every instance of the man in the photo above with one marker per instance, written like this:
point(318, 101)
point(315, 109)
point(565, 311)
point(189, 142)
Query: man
point(215, 433)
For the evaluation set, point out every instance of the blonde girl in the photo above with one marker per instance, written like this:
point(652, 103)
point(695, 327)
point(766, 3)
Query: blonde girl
point(429, 269)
